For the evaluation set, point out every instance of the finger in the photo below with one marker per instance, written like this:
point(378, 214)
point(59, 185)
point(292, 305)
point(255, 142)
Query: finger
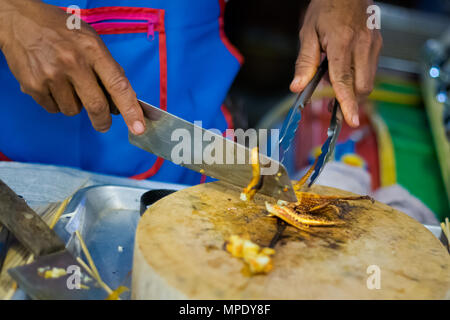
point(65, 98)
point(342, 79)
point(364, 66)
point(93, 99)
point(121, 92)
point(307, 61)
point(45, 100)
point(377, 45)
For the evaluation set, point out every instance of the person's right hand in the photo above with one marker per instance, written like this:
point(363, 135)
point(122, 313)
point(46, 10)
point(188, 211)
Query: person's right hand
point(64, 69)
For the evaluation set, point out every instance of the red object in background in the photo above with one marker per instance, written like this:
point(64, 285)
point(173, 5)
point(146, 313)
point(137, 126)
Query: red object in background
point(312, 132)
point(4, 158)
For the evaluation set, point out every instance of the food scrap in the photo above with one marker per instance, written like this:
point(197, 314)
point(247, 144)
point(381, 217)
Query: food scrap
point(258, 259)
point(255, 184)
point(115, 295)
point(51, 273)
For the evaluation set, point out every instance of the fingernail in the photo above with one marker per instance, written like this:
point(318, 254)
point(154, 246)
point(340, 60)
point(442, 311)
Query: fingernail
point(138, 128)
point(355, 120)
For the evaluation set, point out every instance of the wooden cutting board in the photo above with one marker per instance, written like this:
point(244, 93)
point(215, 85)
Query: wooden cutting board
point(179, 252)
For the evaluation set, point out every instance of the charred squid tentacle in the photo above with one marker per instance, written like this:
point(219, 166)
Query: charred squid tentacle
point(257, 179)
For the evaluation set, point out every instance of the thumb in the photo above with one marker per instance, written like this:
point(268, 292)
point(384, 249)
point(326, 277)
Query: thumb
point(307, 61)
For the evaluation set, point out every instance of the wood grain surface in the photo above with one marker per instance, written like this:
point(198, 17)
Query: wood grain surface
point(179, 251)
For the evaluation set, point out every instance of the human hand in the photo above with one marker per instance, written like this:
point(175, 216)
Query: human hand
point(339, 29)
point(65, 69)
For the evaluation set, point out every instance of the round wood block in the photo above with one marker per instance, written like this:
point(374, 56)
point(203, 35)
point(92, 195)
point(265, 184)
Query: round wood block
point(179, 252)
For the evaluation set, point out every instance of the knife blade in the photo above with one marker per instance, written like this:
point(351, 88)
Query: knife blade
point(328, 147)
point(49, 251)
point(163, 137)
point(291, 122)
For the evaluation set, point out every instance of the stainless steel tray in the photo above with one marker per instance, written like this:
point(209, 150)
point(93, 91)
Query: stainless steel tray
point(106, 217)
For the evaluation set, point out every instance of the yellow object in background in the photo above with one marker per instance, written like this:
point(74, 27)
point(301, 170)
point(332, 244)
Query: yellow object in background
point(353, 160)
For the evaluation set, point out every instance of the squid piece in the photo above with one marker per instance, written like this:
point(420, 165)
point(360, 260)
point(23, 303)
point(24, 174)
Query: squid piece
point(257, 259)
point(311, 209)
point(255, 184)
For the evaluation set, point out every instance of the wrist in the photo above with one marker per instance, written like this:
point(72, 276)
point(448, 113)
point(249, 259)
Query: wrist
point(10, 11)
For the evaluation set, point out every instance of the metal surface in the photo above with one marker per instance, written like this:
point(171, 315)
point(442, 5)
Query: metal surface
point(291, 122)
point(40, 288)
point(165, 132)
point(328, 147)
point(106, 217)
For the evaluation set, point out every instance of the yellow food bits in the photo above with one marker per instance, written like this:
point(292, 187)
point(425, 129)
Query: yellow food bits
point(249, 192)
point(257, 259)
point(53, 273)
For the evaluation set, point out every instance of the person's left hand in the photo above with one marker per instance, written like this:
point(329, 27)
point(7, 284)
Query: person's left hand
point(339, 29)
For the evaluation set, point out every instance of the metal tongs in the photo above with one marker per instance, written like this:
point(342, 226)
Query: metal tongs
point(292, 121)
point(328, 147)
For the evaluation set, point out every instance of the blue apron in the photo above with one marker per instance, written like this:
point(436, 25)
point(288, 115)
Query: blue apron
point(176, 57)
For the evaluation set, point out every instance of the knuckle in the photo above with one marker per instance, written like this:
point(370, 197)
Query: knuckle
point(346, 34)
point(97, 107)
point(91, 41)
point(366, 38)
point(364, 88)
point(32, 88)
point(130, 112)
point(345, 79)
point(304, 58)
point(304, 61)
point(102, 126)
point(50, 72)
point(68, 57)
point(120, 84)
point(378, 40)
point(302, 33)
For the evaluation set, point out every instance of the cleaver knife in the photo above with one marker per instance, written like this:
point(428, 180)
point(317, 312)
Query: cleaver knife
point(166, 134)
point(49, 251)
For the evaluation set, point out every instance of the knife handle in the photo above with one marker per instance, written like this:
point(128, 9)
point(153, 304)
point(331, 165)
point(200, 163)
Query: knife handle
point(26, 225)
point(307, 93)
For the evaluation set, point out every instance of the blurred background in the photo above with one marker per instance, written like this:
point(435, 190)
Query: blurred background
point(405, 127)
